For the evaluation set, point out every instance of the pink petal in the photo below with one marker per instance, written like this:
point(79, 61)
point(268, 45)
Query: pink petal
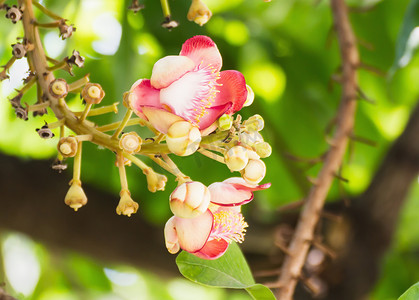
point(161, 119)
point(226, 194)
point(213, 249)
point(190, 95)
point(203, 51)
point(143, 94)
point(211, 115)
point(233, 191)
point(232, 89)
point(193, 233)
point(170, 68)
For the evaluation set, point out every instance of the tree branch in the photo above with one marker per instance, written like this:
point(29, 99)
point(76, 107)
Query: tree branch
point(304, 233)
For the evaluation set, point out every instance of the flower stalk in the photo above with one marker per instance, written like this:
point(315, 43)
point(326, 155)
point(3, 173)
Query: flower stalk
point(123, 123)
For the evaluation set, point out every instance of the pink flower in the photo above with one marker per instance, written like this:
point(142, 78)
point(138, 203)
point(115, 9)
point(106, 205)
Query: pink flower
point(209, 234)
point(190, 87)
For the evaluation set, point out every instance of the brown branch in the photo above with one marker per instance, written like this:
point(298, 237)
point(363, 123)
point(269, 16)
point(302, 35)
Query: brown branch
point(304, 233)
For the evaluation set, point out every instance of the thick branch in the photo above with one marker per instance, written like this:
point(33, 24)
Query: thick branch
point(304, 233)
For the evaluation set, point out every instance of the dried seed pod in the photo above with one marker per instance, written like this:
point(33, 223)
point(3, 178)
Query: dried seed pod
point(92, 93)
point(136, 6)
point(76, 59)
point(130, 142)
point(169, 24)
point(58, 88)
point(58, 165)
point(65, 30)
point(21, 112)
point(14, 14)
point(19, 50)
point(67, 146)
point(44, 132)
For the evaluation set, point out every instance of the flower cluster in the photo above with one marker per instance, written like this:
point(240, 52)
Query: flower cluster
point(188, 99)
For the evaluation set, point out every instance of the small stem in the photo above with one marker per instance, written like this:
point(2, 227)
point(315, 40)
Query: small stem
point(76, 86)
point(100, 111)
point(212, 155)
point(59, 123)
point(46, 11)
point(159, 138)
point(39, 106)
point(27, 86)
point(138, 162)
point(84, 138)
point(47, 25)
point(180, 177)
point(122, 173)
point(77, 163)
point(165, 7)
point(59, 65)
point(123, 123)
point(9, 63)
point(115, 125)
point(85, 112)
point(214, 148)
point(53, 61)
point(62, 128)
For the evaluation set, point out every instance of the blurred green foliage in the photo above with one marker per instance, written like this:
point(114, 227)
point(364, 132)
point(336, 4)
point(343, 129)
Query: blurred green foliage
point(288, 53)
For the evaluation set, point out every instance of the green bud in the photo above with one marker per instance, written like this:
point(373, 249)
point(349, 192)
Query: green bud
point(254, 123)
point(263, 149)
point(225, 122)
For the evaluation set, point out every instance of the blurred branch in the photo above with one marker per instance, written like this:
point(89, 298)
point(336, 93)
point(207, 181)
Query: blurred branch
point(304, 233)
point(5, 296)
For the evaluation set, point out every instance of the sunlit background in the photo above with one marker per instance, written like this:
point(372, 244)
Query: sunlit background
point(287, 53)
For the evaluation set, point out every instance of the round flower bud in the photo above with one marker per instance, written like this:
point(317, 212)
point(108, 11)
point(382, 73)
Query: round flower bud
point(225, 122)
point(130, 142)
point(263, 149)
point(236, 158)
point(92, 93)
point(75, 197)
point(251, 138)
point(250, 96)
point(199, 12)
point(190, 199)
point(67, 146)
point(254, 172)
point(126, 205)
point(183, 138)
point(58, 88)
point(254, 123)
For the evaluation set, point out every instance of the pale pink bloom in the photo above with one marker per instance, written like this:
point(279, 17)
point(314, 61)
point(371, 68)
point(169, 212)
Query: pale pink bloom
point(189, 86)
point(209, 234)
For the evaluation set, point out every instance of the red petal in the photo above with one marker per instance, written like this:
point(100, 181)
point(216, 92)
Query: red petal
point(232, 90)
point(213, 249)
point(193, 233)
point(211, 115)
point(226, 194)
point(202, 50)
point(143, 94)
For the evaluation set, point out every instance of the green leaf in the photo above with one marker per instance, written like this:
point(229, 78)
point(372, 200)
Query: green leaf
point(411, 294)
point(408, 39)
point(229, 271)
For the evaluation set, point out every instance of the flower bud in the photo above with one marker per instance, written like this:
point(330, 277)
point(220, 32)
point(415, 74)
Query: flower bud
point(236, 158)
point(199, 12)
point(92, 93)
point(155, 181)
point(225, 122)
point(183, 138)
point(126, 205)
point(58, 88)
point(67, 146)
point(254, 172)
point(75, 197)
point(130, 142)
point(254, 123)
point(170, 236)
point(190, 199)
point(250, 96)
point(251, 138)
point(263, 149)
point(14, 14)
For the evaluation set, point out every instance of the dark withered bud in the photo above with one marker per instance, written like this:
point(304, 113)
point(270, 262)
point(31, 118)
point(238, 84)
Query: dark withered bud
point(15, 101)
point(76, 59)
point(169, 23)
point(21, 113)
point(14, 14)
point(136, 6)
point(66, 30)
point(19, 50)
point(58, 165)
point(44, 132)
point(31, 75)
